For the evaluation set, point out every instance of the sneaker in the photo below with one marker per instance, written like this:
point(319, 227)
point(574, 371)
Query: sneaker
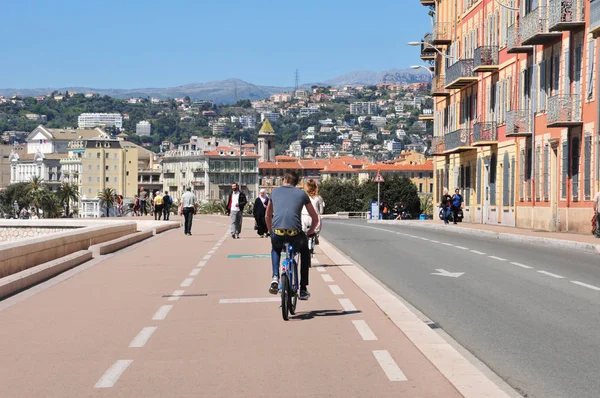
point(304, 294)
point(274, 286)
point(237, 236)
point(233, 236)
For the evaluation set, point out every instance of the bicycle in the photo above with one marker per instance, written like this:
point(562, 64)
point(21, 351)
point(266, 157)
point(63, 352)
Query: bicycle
point(288, 281)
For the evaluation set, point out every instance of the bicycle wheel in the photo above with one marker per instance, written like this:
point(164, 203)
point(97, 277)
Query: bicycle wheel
point(285, 296)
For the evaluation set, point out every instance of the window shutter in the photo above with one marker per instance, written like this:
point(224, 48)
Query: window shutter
point(556, 82)
point(567, 77)
point(522, 175)
point(478, 184)
point(575, 166)
point(542, 106)
point(587, 167)
point(537, 162)
point(468, 185)
point(505, 180)
point(512, 181)
point(565, 169)
point(546, 171)
point(492, 179)
point(590, 79)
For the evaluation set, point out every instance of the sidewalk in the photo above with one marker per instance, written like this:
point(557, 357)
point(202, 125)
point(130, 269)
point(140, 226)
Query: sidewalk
point(192, 316)
point(588, 242)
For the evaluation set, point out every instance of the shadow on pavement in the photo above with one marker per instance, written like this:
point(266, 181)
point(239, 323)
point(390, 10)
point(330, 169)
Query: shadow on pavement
point(316, 313)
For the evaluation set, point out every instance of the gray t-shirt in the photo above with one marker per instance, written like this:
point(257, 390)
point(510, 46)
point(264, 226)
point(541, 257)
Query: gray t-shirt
point(188, 199)
point(288, 202)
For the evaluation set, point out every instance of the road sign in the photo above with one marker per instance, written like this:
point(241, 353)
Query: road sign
point(378, 178)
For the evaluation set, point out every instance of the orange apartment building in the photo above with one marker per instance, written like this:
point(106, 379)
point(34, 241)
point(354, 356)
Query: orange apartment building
point(515, 88)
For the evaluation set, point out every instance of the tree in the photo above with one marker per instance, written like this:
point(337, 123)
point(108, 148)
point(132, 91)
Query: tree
point(68, 193)
point(341, 195)
point(35, 191)
point(18, 193)
point(107, 198)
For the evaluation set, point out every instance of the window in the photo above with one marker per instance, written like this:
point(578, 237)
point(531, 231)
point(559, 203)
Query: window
point(116, 156)
point(590, 70)
point(97, 167)
point(505, 180)
point(106, 168)
point(90, 190)
point(546, 172)
point(522, 175)
point(115, 180)
point(430, 187)
point(107, 155)
point(98, 155)
point(492, 179)
point(89, 167)
point(97, 179)
point(512, 181)
point(537, 163)
point(575, 142)
point(116, 167)
point(420, 187)
point(127, 173)
point(565, 169)
point(587, 167)
point(106, 179)
point(89, 179)
point(478, 181)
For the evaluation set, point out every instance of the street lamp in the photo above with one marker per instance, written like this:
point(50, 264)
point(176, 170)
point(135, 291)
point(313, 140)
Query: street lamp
point(16, 208)
point(501, 4)
point(422, 66)
point(428, 45)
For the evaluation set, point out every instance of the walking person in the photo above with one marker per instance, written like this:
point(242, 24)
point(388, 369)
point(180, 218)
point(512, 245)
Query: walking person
point(312, 190)
point(143, 200)
point(597, 213)
point(188, 203)
point(158, 205)
point(167, 201)
point(259, 211)
point(446, 203)
point(136, 205)
point(457, 201)
point(235, 208)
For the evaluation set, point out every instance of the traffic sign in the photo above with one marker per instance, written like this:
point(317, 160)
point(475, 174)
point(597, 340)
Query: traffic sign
point(378, 178)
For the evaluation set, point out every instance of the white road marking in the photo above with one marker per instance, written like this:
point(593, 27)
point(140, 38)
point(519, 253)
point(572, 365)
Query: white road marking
point(478, 252)
point(315, 260)
point(586, 285)
point(497, 258)
point(434, 241)
point(424, 239)
point(335, 289)
point(521, 265)
point(461, 247)
point(211, 252)
point(250, 300)
point(186, 282)
point(321, 269)
point(142, 338)
point(446, 244)
point(110, 377)
point(551, 274)
point(389, 366)
point(162, 313)
point(207, 257)
point(195, 272)
point(347, 305)
point(201, 264)
point(413, 236)
point(364, 330)
point(327, 277)
point(176, 295)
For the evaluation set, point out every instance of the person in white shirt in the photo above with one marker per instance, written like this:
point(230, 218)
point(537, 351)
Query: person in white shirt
point(188, 202)
point(235, 208)
point(312, 189)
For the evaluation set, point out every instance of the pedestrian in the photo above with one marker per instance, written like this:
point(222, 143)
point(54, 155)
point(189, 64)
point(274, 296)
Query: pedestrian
point(259, 211)
point(312, 190)
point(158, 205)
point(597, 213)
point(167, 201)
point(188, 203)
point(136, 205)
point(143, 200)
point(457, 201)
point(446, 203)
point(235, 208)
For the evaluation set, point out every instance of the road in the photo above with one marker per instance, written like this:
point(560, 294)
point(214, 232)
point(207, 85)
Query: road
point(530, 313)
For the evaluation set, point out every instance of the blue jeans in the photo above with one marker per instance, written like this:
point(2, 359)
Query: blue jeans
point(300, 242)
point(446, 214)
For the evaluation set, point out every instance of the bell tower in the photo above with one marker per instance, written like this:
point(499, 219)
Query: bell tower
point(266, 142)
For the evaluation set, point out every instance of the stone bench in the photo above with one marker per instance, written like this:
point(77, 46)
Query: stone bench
point(120, 243)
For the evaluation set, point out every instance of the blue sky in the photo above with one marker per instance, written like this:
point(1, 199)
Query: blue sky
point(147, 43)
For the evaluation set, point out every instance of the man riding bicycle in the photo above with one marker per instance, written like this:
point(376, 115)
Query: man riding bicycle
point(284, 222)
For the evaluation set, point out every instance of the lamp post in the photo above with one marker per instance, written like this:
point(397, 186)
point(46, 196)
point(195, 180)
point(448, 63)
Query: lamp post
point(428, 45)
point(16, 208)
point(422, 66)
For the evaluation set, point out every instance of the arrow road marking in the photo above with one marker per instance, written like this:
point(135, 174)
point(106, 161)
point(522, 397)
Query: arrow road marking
point(443, 272)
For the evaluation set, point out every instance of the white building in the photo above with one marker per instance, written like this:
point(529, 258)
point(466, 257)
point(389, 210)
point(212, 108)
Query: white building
point(309, 110)
point(356, 136)
point(91, 120)
point(143, 129)
point(296, 149)
point(363, 108)
point(400, 133)
point(272, 116)
point(394, 146)
point(219, 128)
point(247, 121)
point(46, 140)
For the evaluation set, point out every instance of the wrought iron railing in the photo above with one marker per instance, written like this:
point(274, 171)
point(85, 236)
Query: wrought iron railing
point(441, 31)
point(462, 68)
point(437, 145)
point(485, 131)
point(595, 15)
point(485, 56)
point(564, 108)
point(457, 139)
point(437, 84)
point(534, 23)
point(518, 121)
point(565, 11)
point(513, 36)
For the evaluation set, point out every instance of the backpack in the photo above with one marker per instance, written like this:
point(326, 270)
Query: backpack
point(168, 200)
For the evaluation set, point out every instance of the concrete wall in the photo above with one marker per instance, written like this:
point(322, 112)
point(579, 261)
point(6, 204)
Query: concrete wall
point(16, 233)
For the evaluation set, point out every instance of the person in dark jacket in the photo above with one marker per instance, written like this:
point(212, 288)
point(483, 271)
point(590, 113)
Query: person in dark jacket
point(235, 208)
point(457, 201)
point(259, 211)
point(167, 201)
point(446, 203)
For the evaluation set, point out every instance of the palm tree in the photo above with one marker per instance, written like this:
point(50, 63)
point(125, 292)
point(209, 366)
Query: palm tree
point(36, 193)
point(66, 194)
point(107, 198)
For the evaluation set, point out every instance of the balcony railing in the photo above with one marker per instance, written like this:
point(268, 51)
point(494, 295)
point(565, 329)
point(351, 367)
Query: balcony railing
point(485, 133)
point(514, 43)
point(460, 74)
point(595, 17)
point(428, 3)
point(565, 15)
point(485, 59)
point(534, 28)
point(564, 111)
point(457, 140)
point(437, 146)
point(437, 86)
point(426, 114)
point(442, 33)
point(427, 48)
point(518, 123)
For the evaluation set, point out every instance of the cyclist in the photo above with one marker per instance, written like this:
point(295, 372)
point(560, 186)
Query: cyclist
point(284, 222)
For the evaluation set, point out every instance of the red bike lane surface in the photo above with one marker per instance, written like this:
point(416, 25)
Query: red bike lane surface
point(111, 332)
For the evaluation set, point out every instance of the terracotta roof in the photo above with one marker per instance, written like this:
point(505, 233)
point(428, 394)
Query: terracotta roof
point(401, 167)
point(285, 158)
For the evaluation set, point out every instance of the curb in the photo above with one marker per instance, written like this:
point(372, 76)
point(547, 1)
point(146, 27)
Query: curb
point(533, 240)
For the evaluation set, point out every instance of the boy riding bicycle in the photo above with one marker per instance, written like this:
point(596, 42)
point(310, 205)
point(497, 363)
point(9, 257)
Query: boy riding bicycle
point(284, 222)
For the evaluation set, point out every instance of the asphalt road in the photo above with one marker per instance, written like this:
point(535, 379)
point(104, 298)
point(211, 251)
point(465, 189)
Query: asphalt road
point(530, 313)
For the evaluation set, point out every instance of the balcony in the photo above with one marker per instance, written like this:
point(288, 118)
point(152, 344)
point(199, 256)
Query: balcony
point(595, 18)
point(437, 146)
point(198, 182)
point(514, 43)
point(485, 59)
point(437, 87)
point(564, 111)
point(518, 123)
point(460, 74)
point(441, 34)
point(485, 134)
point(428, 3)
point(426, 114)
point(458, 141)
point(534, 28)
point(565, 15)
point(428, 51)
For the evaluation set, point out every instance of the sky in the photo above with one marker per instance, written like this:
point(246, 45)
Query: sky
point(148, 43)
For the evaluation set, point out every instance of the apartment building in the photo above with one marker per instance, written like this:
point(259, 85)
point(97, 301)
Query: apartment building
point(143, 129)
point(91, 120)
point(363, 108)
point(516, 109)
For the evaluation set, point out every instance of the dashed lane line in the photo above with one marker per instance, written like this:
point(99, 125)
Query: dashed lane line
point(347, 305)
point(195, 272)
point(201, 264)
point(176, 295)
point(327, 277)
point(142, 337)
point(110, 377)
point(434, 241)
point(461, 247)
point(186, 282)
point(389, 366)
point(315, 260)
point(586, 285)
point(521, 265)
point(497, 258)
point(211, 252)
point(446, 244)
point(207, 257)
point(478, 252)
point(335, 289)
point(321, 269)
point(162, 313)
point(551, 274)
point(364, 330)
